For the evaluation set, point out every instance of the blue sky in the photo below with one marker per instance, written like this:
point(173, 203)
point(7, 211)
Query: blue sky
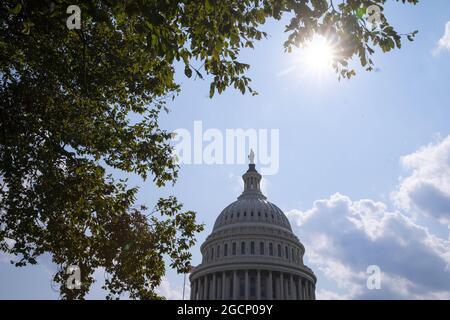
point(364, 171)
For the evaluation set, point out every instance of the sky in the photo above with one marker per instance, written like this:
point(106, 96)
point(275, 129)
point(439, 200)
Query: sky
point(363, 165)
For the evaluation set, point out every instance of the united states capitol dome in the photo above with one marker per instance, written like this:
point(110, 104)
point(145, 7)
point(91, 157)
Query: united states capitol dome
point(252, 252)
point(253, 208)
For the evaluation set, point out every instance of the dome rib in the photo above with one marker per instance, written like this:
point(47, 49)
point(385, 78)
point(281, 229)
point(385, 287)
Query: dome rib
point(241, 210)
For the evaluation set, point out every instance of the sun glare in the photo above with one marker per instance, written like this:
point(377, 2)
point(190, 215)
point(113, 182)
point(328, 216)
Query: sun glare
point(317, 55)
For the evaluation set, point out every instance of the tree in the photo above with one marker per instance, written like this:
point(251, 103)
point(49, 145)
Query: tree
point(78, 103)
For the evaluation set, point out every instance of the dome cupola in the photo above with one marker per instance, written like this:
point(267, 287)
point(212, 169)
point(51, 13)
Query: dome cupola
point(252, 181)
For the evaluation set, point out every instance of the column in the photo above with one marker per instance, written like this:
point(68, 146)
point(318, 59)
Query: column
point(197, 285)
point(313, 292)
point(205, 287)
point(277, 287)
point(286, 287)
point(208, 288)
point(293, 295)
point(269, 287)
point(227, 287)
point(193, 289)
point(235, 285)
point(258, 284)
point(197, 288)
point(281, 287)
point(300, 289)
point(218, 286)
point(300, 295)
point(247, 285)
point(224, 281)
point(213, 293)
point(306, 290)
point(202, 288)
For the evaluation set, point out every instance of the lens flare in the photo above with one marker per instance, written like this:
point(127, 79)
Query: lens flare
point(317, 55)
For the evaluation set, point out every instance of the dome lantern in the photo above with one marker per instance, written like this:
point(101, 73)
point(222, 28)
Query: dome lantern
point(252, 181)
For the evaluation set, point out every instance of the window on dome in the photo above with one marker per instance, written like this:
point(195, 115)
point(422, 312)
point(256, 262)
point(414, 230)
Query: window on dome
point(251, 214)
point(225, 249)
point(261, 248)
point(218, 251)
point(233, 249)
point(271, 249)
point(238, 214)
point(259, 214)
point(292, 254)
point(286, 252)
point(245, 213)
point(212, 253)
point(242, 247)
point(279, 250)
point(252, 247)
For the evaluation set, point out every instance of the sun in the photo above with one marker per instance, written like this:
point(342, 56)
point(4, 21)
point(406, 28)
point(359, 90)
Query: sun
point(317, 55)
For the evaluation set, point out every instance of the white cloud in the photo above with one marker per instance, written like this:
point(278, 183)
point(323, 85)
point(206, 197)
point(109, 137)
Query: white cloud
point(167, 290)
point(322, 294)
point(344, 237)
point(444, 42)
point(427, 189)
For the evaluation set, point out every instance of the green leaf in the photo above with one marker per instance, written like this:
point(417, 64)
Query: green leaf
point(16, 9)
point(211, 90)
point(188, 71)
point(360, 12)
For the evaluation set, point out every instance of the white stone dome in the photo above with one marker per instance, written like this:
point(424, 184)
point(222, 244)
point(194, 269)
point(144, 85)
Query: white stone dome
point(252, 252)
point(252, 207)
